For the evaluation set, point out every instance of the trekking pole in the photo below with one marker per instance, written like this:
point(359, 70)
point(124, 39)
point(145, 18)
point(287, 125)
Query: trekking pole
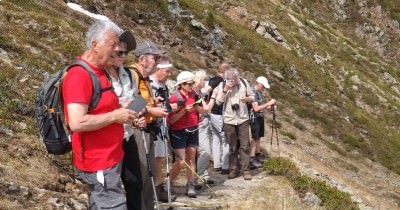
point(164, 138)
point(149, 168)
point(209, 189)
point(274, 129)
point(194, 172)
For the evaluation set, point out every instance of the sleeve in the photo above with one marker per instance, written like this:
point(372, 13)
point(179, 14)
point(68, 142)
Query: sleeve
point(220, 98)
point(77, 86)
point(214, 82)
point(257, 98)
point(173, 99)
point(249, 90)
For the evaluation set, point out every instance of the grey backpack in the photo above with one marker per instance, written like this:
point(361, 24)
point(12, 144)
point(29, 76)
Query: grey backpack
point(50, 113)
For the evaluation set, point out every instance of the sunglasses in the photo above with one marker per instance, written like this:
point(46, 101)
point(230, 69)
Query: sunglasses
point(189, 83)
point(122, 53)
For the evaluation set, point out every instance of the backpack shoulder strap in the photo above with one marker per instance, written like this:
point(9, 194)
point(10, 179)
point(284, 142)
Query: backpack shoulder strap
point(245, 84)
point(181, 102)
point(138, 77)
point(129, 72)
point(97, 91)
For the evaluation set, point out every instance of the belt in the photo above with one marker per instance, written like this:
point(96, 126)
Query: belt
point(189, 130)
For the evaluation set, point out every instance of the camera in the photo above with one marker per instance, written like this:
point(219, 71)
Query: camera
point(235, 107)
point(163, 93)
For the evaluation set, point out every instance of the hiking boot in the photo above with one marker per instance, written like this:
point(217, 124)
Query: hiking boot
point(246, 175)
point(217, 170)
point(197, 185)
point(162, 193)
point(232, 174)
point(260, 158)
point(209, 180)
point(225, 171)
point(254, 164)
point(190, 191)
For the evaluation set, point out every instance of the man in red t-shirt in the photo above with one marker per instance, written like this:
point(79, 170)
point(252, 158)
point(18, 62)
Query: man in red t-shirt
point(97, 133)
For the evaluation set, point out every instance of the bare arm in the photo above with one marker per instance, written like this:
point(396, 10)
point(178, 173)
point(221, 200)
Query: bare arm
point(258, 108)
point(180, 114)
point(79, 120)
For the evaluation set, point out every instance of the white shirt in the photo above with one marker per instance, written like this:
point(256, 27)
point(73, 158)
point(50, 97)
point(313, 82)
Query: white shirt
point(126, 90)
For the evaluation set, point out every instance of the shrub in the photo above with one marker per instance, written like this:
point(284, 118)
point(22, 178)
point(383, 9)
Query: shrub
point(281, 167)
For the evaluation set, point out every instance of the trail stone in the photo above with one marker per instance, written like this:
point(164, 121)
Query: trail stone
point(77, 205)
point(312, 199)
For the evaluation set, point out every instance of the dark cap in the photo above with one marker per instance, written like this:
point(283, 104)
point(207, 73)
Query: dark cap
point(148, 47)
point(129, 39)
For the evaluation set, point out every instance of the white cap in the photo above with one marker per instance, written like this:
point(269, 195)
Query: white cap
point(184, 76)
point(262, 80)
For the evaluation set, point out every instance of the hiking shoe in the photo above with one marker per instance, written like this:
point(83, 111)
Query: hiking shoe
point(224, 171)
point(260, 158)
point(217, 169)
point(162, 193)
point(232, 174)
point(197, 185)
point(190, 191)
point(209, 180)
point(246, 175)
point(254, 164)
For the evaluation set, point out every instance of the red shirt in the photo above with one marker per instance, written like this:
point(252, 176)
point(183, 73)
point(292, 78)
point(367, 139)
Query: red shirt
point(189, 119)
point(102, 148)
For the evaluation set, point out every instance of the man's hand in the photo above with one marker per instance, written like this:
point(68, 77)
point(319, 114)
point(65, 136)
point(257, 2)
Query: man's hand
point(189, 108)
point(174, 107)
point(247, 99)
point(123, 115)
point(141, 122)
point(157, 111)
point(159, 99)
point(228, 85)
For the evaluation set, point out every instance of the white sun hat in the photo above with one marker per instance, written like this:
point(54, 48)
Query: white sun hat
point(264, 81)
point(184, 76)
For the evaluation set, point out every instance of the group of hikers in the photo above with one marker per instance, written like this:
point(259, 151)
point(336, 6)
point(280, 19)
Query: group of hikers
point(203, 118)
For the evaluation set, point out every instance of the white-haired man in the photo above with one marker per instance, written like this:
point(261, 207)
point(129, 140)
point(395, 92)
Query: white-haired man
point(235, 93)
point(97, 131)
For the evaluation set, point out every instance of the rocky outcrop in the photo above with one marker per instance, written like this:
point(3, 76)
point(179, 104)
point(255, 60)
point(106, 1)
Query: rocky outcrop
point(269, 31)
point(213, 39)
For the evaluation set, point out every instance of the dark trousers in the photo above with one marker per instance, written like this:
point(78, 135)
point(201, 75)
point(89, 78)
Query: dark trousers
point(135, 174)
point(238, 137)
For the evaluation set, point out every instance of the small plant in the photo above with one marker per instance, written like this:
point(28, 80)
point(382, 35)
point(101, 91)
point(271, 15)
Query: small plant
point(281, 167)
point(331, 197)
point(288, 134)
point(210, 20)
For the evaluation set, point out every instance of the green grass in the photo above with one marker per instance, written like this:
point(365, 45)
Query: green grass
point(331, 198)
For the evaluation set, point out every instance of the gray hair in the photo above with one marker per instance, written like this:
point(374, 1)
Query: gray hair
point(231, 72)
point(98, 31)
point(200, 75)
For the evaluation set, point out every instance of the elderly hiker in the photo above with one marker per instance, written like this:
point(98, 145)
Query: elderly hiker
point(235, 93)
point(257, 120)
point(97, 132)
point(184, 124)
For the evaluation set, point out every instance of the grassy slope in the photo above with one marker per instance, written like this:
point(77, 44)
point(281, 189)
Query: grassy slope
point(381, 143)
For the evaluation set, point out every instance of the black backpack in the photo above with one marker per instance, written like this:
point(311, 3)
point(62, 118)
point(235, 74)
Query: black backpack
point(50, 113)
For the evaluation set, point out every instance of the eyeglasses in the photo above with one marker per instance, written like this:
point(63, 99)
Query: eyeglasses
point(122, 53)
